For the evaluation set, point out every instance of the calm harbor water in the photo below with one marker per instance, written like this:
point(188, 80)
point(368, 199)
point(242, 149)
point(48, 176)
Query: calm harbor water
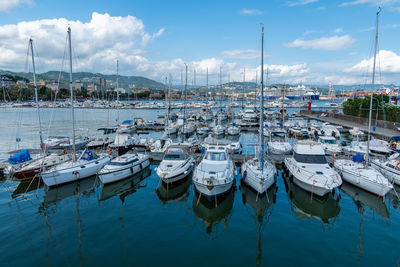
point(140, 221)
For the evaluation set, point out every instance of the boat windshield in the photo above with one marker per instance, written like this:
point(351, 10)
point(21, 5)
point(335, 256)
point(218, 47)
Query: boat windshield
point(311, 159)
point(174, 157)
point(327, 141)
point(218, 156)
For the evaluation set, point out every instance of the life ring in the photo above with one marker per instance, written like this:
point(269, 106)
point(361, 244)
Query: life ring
point(152, 147)
point(398, 166)
point(365, 157)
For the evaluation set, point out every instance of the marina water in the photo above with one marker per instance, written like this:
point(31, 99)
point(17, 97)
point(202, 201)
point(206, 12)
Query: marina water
point(140, 221)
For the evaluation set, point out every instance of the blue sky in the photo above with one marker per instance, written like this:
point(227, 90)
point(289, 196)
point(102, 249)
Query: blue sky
point(314, 41)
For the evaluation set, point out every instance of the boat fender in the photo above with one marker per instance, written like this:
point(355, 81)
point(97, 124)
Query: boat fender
point(77, 175)
point(131, 170)
point(244, 174)
point(64, 152)
point(109, 151)
point(334, 159)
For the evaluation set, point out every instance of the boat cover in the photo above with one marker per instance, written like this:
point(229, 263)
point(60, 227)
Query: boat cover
point(20, 157)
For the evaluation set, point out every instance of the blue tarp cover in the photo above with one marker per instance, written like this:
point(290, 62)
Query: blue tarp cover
point(358, 157)
point(127, 121)
point(20, 157)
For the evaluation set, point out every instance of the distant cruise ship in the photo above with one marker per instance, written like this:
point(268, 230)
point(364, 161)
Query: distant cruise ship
point(293, 92)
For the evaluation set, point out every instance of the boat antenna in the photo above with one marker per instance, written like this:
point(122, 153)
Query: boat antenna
point(373, 83)
point(72, 95)
point(36, 96)
point(262, 102)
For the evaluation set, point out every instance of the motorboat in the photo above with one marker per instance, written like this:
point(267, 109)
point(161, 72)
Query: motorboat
point(123, 167)
point(160, 145)
point(250, 115)
point(310, 169)
point(233, 130)
point(390, 168)
point(99, 142)
point(189, 129)
point(234, 147)
point(375, 146)
point(356, 132)
point(330, 145)
point(127, 127)
point(215, 174)
point(330, 130)
point(86, 165)
point(363, 176)
point(176, 165)
point(203, 130)
point(278, 143)
point(34, 168)
point(221, 115)
point(219, 130)
point(80, 143)
point(123, 142)
point(54, 142)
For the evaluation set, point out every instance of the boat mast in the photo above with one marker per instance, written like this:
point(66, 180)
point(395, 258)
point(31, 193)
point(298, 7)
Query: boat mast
point(207, 82)
point(72, 95)
point(220, 88)
point(262, 102)
point(36, 95)
point(184, 106)
point(167, 106)
point(169, 96)
point(373, 83)
point(244, 82)
point(117, 92)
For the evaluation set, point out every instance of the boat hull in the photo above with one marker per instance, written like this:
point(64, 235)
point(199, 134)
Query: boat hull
point(117, 175)
point(392, 174)
point(75, 173)
point(213, 191)
point(176, 175)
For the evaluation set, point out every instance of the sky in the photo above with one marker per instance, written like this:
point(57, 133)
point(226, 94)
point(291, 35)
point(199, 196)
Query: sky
point(308, 41)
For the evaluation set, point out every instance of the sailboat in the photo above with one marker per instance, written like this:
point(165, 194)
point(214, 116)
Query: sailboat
point(360, 174)
point(258, 173)
point(33, 168)
point(88, 163)
point(170, 128)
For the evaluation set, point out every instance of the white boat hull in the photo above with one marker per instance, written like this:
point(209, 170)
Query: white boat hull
point(392, 174)
point(213, 191)
point(254, 181)
point(175, 175)
point(117, 175)
point(364, 182)
point(75, 173)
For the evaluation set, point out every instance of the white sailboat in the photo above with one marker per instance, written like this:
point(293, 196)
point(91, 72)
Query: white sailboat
point(88, 164)
point(359, 174)
point(258, 173)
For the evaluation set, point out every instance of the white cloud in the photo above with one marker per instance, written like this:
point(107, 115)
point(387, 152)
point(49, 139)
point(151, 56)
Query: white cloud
point(7, 5)
point(337, 30)
point(393, 5)
point(246, 11)
point(241, 54)
point(97, 44)
point(301, 2)
point(388, 62)
point(324, 43)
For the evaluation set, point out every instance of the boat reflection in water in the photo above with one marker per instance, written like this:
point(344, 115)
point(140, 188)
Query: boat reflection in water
point(306, 205)
point(395, 197)
point(175, 192)
point(364, 199)
point(212, 212)
point(27, 186)
point(83, 187)
point(261, 205)
point(124, 187)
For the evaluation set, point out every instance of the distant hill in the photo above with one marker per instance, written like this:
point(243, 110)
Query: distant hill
point(124, 81)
